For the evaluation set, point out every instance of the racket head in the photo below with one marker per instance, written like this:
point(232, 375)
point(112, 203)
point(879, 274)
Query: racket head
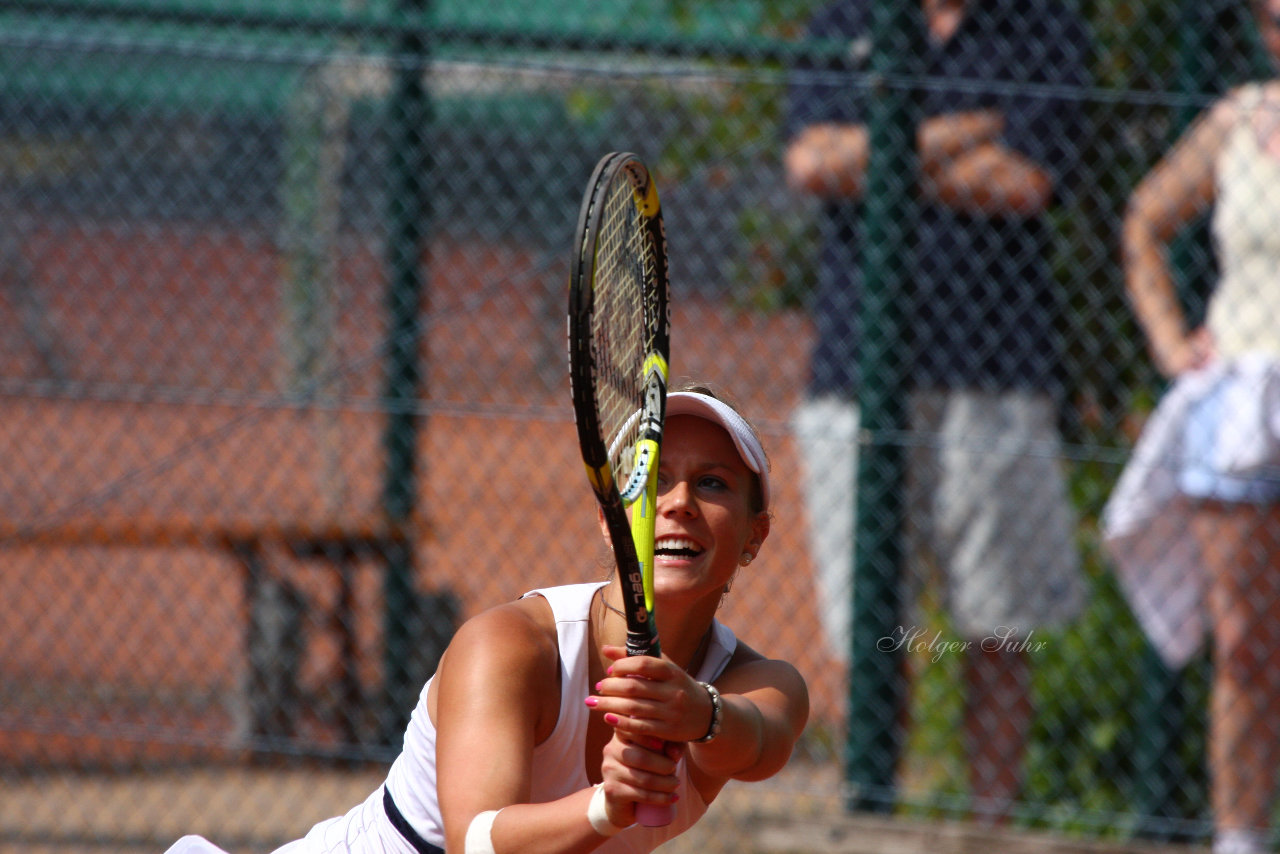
point(619, 338)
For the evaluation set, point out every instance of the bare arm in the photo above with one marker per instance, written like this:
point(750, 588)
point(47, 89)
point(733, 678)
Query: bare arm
point(965, 166)
point(765, 708)
point(828, 160)
point(1176, 191)
point(962, 164)
point(943, 138)
point(497, 696)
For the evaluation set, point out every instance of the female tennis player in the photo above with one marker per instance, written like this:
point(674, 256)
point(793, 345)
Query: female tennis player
point(538, 734)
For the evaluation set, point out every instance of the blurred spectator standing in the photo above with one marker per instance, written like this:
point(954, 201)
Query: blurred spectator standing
point(996, 145)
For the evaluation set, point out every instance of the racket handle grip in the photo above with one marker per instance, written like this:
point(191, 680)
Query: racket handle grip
point(655, 815)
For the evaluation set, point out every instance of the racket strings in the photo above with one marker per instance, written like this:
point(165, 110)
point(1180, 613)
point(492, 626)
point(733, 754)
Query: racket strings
point(624, 262)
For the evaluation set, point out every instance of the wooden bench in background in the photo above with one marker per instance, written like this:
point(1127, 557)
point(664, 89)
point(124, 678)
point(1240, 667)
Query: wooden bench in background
point(289, 496)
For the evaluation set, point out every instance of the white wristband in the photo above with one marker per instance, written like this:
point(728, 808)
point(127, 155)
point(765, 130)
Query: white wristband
point(598, 814)
point(479, 833)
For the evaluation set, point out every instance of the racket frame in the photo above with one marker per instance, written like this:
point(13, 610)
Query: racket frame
point(632, 539)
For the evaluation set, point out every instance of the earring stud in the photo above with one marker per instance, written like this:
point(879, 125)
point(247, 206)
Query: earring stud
point(746, 558)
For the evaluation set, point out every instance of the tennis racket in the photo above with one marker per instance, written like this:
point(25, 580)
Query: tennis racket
point(619, 331)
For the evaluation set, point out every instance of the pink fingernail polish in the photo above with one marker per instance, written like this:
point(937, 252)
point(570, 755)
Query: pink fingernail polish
point(598, 684)
point(611, 719)
point(591, 701)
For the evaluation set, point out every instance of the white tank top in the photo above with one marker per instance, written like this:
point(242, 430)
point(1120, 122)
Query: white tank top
point(559, 763)
point(1244, 310)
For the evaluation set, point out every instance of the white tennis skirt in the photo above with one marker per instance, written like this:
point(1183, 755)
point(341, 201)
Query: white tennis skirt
point(1215, 435)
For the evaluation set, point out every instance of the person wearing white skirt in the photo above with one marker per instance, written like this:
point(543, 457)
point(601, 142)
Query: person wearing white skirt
point(1194, 522)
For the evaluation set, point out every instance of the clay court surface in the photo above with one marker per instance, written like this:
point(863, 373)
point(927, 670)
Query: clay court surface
point(152, 435)
point(239, 807)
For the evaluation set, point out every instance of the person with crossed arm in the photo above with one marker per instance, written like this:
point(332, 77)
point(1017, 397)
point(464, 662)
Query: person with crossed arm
point(997, 142)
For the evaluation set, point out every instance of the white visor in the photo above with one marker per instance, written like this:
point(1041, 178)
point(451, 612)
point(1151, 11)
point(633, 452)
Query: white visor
point(721, 413)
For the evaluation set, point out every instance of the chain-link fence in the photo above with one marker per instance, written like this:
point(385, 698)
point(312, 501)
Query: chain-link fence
point(285, 395)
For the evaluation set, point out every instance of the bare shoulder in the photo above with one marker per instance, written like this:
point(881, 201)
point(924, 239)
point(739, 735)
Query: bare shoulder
point(1190, 161)
point(1228, 110)
point(746, 654)
point(503, 661)
point(749, 668)
point(1269, 91)
point(517, 637)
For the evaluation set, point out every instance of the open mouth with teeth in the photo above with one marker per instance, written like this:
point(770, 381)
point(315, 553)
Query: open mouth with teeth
point(677, 547)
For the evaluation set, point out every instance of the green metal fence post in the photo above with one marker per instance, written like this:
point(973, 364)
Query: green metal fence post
point(409, 117)
point(875, 695)
point(1159, 772)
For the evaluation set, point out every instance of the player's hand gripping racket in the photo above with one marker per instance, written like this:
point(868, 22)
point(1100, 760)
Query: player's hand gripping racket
point(618, 343)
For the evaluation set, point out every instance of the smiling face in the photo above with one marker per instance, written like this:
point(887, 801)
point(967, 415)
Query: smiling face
point(705, 521)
